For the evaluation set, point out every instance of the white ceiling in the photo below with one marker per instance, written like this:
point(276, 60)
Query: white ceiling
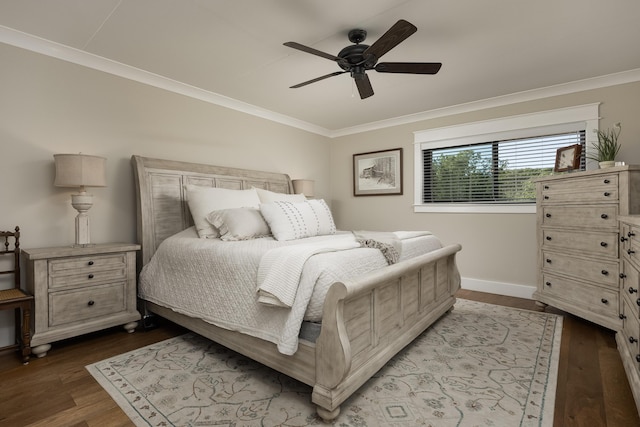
point(231, 52)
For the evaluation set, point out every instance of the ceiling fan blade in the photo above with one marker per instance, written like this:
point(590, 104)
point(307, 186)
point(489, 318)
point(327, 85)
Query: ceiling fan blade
point(409, 67)
point(392, 38)
point(317, 79)
point(312, 51)
point(364, 85)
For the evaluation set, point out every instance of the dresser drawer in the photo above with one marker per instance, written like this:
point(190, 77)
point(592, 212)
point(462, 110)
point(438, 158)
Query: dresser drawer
point(86, 303)
point(595, 243)
point(603, 188)
point(600, 217)
point(631, 332)
point(603, 272)
point(594, 298)
point(630, 283)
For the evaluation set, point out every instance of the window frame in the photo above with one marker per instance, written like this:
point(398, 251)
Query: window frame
point(519, 126)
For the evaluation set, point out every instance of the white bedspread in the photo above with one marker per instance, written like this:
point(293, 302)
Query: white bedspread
point(216, 281)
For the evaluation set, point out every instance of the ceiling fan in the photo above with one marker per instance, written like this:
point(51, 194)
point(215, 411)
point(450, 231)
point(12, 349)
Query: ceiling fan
point(358, 58)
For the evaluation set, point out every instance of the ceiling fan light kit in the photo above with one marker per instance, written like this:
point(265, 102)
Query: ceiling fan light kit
point(357, 58)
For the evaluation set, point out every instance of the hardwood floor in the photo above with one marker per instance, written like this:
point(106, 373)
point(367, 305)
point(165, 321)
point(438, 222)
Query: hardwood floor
point(57, 390)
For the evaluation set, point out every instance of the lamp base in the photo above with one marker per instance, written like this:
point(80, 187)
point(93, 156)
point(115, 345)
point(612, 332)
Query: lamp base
point(82, 202)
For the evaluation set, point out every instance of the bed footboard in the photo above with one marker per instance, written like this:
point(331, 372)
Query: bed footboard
point(368, 320)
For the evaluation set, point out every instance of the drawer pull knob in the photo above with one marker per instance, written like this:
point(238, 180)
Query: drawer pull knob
point(91, 302)
point(632, 340)
point(607, 194)
point(638, 301)
point(548, 261)
point(546, 197)
point(630, 234)
point(631, 290)
point(604, 301)
point(548, 215)
point(548, 283)
point(606, 181)
point(604, 216)
point(622, 275)
point(629, 251)
point(546, 187)
point(622, 316)
point(604, 244)
point(549, 238)
point(91, 276)
point(638, 358)
point(623, 239)
point(604, 272)
point(90, 263)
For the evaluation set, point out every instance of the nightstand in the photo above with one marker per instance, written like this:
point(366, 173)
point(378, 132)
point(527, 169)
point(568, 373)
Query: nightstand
point(79, 290)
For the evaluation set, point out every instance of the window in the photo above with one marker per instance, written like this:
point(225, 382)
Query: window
point(492, 172)
point(489, 166)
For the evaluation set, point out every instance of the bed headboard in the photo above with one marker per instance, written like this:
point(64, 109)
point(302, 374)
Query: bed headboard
point(162, 208)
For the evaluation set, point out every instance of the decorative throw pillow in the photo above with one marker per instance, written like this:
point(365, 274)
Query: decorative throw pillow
point(267, 196)
point(239, 224)
point(203, 200)
point(289, 221)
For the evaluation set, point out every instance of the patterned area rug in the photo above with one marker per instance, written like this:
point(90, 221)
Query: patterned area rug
point(480, 365)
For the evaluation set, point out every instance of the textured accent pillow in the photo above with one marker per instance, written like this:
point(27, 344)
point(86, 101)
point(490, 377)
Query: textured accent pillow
point(203, 200)
point(289, 221)
point(239, 224)
point(267, 196)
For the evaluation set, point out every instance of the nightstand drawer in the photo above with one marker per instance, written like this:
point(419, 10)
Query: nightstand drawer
point(83, 304)
point(87, 278)
point(86, 264)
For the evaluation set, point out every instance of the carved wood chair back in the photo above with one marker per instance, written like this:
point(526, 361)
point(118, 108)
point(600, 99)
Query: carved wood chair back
point(15, 298)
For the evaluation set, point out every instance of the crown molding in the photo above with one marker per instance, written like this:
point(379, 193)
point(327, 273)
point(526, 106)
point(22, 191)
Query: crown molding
point(66, 53)
point(79, 57)
point(499, 101)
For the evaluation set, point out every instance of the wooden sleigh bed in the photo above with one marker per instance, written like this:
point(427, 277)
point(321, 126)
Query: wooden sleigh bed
point(365, 321)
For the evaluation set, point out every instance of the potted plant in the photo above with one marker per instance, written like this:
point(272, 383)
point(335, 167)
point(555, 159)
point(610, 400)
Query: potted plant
point(607, 147)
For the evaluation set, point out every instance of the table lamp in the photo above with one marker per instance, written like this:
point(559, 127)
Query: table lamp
point(304, 186)
point(81, 170)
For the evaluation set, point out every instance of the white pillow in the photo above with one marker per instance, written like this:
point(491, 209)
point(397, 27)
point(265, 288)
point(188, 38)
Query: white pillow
point(203, 200)
point(267, 196)
point(289, 221)
point(239, 224)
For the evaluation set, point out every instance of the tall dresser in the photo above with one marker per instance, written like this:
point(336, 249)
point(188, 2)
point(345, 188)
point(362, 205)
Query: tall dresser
point(628, 339)
point(578, 240)
point(589, 253)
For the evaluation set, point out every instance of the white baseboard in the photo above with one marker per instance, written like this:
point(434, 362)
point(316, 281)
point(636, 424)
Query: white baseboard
point(508, 289)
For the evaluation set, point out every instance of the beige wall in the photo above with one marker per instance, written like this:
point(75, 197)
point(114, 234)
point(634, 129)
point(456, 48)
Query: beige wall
point(497, 248)
point(49, 106)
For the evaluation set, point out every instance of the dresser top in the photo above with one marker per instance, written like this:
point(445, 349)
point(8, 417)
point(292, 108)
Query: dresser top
point(594, 172)
point(70, 251)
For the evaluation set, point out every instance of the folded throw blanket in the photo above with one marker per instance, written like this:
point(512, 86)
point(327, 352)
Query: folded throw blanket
point(387, 242)
point(280, 269)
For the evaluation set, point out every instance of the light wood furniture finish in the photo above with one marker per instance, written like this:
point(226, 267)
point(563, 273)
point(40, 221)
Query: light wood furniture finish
point(365, 321)
point(578, 231)
point(628, 338)
point(81, 289)
point(15, 298)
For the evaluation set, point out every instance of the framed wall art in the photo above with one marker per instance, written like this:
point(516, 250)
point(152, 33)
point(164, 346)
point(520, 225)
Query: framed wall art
point(377, 173)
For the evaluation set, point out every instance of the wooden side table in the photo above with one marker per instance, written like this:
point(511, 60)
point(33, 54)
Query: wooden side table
point(78, 290)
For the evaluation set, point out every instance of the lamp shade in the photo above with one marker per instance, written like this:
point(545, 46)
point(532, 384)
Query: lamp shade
point(304, 186)
point(80, 170)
